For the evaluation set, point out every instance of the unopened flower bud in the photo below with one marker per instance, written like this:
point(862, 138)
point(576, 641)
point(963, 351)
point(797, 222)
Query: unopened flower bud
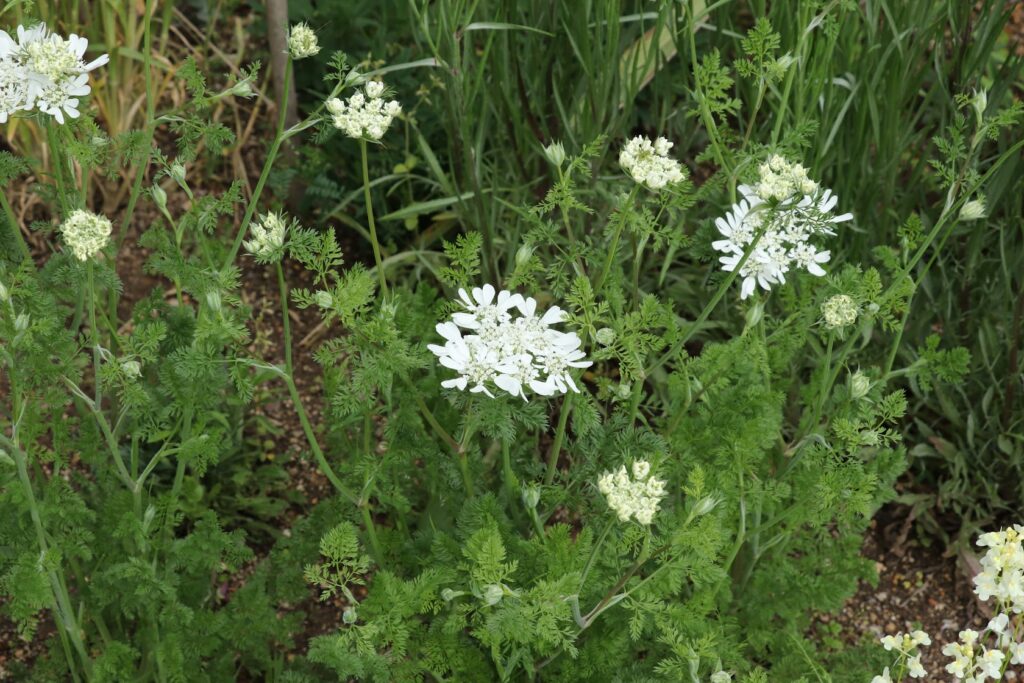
point(349, 616)
point(721, 677)
point(980, 103)
point(131, 368)
point(754, 314)
point(177, 172)
point(4, 294)
point(324, 299)
point(605, 336)
point(524, 254)
point(624, 390)
point(159, 197)
point(973, 210)
point(860, 385)
point(493, 593)
point(704, 506)
point(21, 322)
point(213, 299)
point(555, 153)
point(531, 496)
point(448, 594)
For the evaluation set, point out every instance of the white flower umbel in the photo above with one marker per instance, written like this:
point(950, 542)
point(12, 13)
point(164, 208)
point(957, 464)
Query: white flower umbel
point(302, 42)
point(788, 210)
point(635, 494)
point(365, 114)
point(52, 70)
point(499, 340)
point(648, 163)
point(268, 233)
point(86, 233)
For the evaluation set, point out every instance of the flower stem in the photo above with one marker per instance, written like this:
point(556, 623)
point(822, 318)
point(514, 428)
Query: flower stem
point(300, 410)
point(509, 476)
point(94, 337)
point(556, 445)
point(275, 147)
point(371, 222)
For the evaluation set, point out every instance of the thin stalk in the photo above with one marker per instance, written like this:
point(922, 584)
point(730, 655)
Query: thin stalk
point(364, 498)
point(374, 242)
point(94, 336)
point(556, 445)
point(508, 475)
point(610, 258)
point(64, 615)
point(467, 477)
point(307, 428)
point(288, 376)
point(275, 147)
point(13, 222)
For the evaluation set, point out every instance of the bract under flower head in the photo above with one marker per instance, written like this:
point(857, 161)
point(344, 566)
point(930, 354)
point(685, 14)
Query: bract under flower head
point(509, 346)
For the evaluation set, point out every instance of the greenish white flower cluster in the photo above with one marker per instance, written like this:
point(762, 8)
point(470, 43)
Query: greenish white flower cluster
point(635, 494)
point(781, 180)
point(302, 42)
point(45, 72)
point(365, 114)
point(648, 163)
point(839, 311)
point(268, 234)
point(86, 233)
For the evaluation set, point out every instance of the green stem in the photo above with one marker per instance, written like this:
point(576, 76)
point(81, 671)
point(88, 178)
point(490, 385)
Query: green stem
point(509, 476)
point(275, 147)
point(307, 428)
point(12, 221)
point(371, 222)
point(94, 336)
point(60, 602)
point(610, 258)
point(556, 445)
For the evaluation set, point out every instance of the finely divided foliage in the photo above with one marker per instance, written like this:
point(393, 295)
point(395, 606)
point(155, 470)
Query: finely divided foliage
point(530, 430)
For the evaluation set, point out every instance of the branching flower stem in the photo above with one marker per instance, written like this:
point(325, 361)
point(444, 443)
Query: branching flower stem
point(288, 375)
point(279, 137)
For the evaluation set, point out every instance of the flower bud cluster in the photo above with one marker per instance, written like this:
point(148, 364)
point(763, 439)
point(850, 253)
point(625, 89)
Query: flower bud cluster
point(86, 233)
point(365, 114)
point(648, 163)
point(633, 497)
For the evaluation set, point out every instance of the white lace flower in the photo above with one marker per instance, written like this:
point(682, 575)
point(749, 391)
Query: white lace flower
point(268, 233)
point(86, 233)
point(648, 162)
point(302, 41)
point(721, 677)
point(782, 212)
point(508, 345)
point(635, 494)
point(915, 668)
point(364, 114)
point(54, 72)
